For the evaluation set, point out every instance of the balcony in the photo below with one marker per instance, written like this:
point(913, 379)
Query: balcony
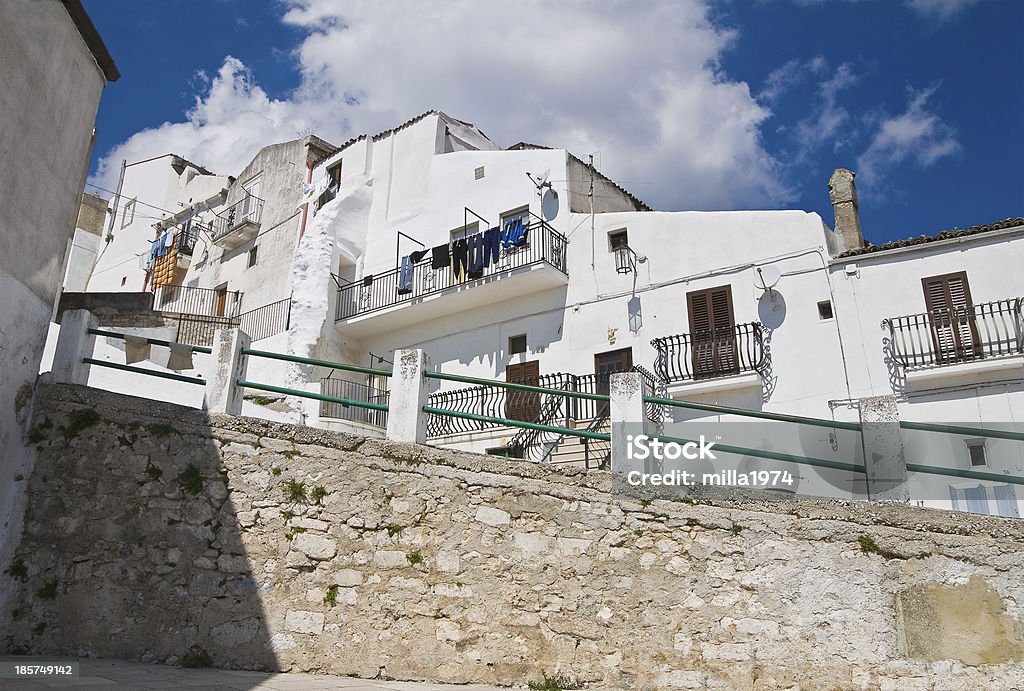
point(988, 333)
point(374, 304)
point(712, 360)
point(238, 224)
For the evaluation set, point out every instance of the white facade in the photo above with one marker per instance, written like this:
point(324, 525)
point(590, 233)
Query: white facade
point(814, 344)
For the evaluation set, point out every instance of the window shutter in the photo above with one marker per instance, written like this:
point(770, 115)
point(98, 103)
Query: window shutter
point(523, 405)
point(948, 301)
point(712, 332)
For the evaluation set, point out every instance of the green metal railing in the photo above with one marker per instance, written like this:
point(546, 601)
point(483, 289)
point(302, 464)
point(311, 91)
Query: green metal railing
point(779, 417)
point(309, 394)
point(313, 361)
point(518, 423)
point(152, 341)
point(966, 431)
point(970, 474)
point(141, 370)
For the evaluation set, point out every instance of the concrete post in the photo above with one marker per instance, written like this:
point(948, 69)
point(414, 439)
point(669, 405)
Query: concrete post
point(406, 420)
point(883, 449)
point(228, 365)
point(73, 344)
point(628, 416)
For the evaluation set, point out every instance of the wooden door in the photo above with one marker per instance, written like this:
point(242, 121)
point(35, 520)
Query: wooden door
point(220, 300)
point(954, 330)
point(712, 333)
point(523, 405)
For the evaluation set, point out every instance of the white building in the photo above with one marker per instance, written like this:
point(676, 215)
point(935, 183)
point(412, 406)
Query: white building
point(759, 310)
point(55, 66)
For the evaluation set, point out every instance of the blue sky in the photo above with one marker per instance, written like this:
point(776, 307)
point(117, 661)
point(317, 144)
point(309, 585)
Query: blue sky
point(691, 105)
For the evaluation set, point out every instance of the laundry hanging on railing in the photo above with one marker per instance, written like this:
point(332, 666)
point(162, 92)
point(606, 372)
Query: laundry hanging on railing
point(180, 358)
point(136, 349)
point(405, 276)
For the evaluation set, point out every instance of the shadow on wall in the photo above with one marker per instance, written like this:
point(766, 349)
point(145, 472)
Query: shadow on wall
point(153, 566)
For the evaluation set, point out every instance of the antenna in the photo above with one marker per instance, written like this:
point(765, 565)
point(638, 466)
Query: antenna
point(767, 277)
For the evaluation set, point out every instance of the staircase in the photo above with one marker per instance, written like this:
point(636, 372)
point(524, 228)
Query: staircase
point(580, 452)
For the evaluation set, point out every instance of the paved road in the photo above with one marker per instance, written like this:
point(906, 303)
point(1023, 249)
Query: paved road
point(116, 674)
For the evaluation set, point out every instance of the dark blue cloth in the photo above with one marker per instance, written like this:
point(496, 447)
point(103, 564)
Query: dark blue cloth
point(492, 246)
point(405, 276)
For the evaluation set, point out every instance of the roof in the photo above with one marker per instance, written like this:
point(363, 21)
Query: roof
point(92, 39)
point(640, 205)
point(944, 235)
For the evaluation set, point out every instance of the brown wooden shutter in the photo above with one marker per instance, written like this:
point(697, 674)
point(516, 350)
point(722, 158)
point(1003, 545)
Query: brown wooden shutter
point(951, 314)
point(712, 332)
point(523, 405)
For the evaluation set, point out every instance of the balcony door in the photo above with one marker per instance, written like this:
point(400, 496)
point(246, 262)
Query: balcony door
point(605, 365)
point(220, 297)
point(252, 190)
point(523, 405)
point(712, 333)
point(953, 327)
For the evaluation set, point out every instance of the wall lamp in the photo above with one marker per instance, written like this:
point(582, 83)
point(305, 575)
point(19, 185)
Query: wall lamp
point(626, 259)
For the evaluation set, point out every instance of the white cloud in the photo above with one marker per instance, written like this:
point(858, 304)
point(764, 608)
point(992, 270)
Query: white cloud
point(932, 10)
point(940, 10)
point(827, 116)
point(638, 82)
point(917, 135)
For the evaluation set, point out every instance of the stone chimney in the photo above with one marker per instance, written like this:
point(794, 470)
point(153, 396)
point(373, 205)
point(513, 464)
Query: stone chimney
point(842, 192)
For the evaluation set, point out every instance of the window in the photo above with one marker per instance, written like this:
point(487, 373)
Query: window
point(515, 226)
point(825, 310)
point(712, 333)
point(523, 405)
point(252, 256)
point(128, 214)
point(465, 231)
point(478, 173)
point(976, 452)
point(607, 364)
point(517, 344)
point(972, 499)
point(951, 314)
point(617, 239)
point(1006, 501)
point(124, 279)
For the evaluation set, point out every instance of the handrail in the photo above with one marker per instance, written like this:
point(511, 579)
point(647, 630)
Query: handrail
point(310, 394)
point(141, 370)
point(152, 341)
point(516, 387)
point(970, 474)
point(773, 455)
point(312, 361)
point(743, 412)
point(956, 429)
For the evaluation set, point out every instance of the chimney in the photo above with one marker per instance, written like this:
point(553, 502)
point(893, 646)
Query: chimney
point(842, 192)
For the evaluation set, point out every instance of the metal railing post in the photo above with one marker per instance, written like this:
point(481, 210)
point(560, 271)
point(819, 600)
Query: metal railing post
point(406, 420)
point(628, 416)
point(884, 459)
point(228, 366)
point(73, 343)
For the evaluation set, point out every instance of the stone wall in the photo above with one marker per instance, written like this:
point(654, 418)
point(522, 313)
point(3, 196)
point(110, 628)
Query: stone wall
point(158, 533)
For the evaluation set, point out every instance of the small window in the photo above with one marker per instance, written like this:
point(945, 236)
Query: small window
point(464, 232)
point(478, 173)
point(976, 450)
point(825, 309)
point(517, 344)
point(128, 214)
point(617, 239)
point(124, 279)
point(252, 256)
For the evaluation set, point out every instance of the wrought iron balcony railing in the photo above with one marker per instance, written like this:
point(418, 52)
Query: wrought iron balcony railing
point(543, 245)
point(375, 391)
point(962, 334)
point(248, 210)
point(187, 236)
point(208, 302)
point(711, 354)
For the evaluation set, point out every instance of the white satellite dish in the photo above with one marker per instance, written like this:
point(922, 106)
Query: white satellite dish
point(765, 277)
point(549, 204)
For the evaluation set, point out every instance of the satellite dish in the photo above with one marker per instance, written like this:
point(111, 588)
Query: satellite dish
point(540, 182)
point(766, 277)
point(549, 204)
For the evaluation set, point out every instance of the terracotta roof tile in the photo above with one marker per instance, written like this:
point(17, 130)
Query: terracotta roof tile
point(944, 235)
